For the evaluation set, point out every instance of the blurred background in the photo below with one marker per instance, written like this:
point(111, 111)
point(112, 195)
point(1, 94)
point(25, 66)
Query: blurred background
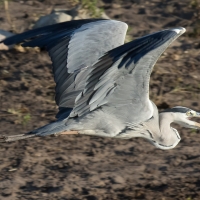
point(90, 168)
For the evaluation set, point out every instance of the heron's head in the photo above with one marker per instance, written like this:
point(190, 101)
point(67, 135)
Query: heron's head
point(185, 117)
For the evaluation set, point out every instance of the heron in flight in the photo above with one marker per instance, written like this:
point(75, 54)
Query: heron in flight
point(102, 84)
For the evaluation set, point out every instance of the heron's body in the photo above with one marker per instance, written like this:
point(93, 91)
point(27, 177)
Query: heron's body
point(100, 123)
point(102, 84)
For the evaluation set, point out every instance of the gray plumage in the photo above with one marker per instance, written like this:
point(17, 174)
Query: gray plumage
point(102, 84)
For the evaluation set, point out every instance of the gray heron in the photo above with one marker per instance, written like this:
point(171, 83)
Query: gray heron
point(102, 84)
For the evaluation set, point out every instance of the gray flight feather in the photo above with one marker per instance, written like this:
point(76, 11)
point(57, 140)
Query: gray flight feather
point(119, 81)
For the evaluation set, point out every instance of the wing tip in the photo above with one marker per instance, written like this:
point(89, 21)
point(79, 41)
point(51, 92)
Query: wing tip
point(179, 30)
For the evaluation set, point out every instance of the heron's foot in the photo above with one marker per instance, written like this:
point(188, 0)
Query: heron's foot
point(12, 138)
point(3, 139)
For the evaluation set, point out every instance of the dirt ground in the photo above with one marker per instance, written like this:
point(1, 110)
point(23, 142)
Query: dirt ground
point(91, 168)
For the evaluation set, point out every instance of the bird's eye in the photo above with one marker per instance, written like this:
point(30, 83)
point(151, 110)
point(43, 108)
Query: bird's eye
point(191, 113)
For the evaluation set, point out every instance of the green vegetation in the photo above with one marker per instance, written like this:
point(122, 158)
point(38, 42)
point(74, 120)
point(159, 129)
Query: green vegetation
point(91, 6)
point(25, 119)
point(22, 117)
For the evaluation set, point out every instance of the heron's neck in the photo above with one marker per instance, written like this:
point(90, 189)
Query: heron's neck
point(165, 120)
point(168, 135)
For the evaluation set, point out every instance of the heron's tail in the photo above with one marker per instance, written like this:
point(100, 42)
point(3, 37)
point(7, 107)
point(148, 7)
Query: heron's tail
point(53, 128)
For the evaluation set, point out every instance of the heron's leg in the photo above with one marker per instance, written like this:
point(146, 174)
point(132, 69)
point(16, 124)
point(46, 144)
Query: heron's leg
point(68, 133)
point(99, 133)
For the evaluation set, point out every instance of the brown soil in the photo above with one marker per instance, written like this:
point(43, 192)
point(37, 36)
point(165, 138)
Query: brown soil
point(91, 168)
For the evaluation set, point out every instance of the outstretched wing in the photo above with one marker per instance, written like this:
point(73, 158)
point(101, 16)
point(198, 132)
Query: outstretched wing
point(73, 47)
point(119, 81)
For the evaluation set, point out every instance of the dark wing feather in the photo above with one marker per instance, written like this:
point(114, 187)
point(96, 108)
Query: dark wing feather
point(73, 47)
point(44, 31)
